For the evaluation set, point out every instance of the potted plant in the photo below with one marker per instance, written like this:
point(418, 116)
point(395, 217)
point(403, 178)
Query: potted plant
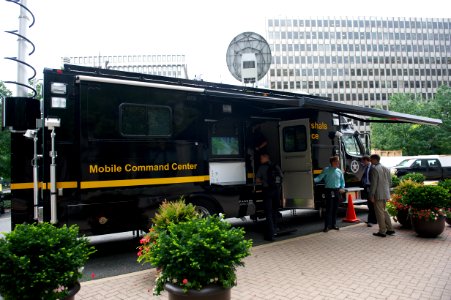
point(428, 205)
point(168, 213)
point(447, 185)
point(42, 261)
point(398, 206)
point(197, 257)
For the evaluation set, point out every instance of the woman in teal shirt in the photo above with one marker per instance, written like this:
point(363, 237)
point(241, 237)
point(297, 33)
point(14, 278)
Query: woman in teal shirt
point(334, 184)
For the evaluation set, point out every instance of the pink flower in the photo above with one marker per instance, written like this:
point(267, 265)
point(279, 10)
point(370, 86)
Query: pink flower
point(93, 275)
point(145, 240)
point(185, 281)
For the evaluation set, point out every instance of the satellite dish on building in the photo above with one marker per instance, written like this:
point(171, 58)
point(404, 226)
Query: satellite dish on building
point(248, 57)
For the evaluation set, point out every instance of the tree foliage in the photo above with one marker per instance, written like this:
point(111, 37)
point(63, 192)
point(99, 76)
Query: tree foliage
point(5, 139)
point(5, 135)
point(417, 139)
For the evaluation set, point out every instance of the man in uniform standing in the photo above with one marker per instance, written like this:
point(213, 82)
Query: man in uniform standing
point(270, 176)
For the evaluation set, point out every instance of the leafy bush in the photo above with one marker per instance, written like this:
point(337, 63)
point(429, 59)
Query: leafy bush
point(395, 180)
point(446, 184)
point(41, 261)
point(190, 251)
point(417, 177)
point(398, 200)
point(428, 201)
point(174, 212)
point(199, 252)
point(392, 209)
point(168, 213)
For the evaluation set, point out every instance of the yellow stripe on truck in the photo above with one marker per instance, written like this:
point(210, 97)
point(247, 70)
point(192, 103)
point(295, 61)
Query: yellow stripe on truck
point(113, 183)
point(145, 181)
point(45, 185)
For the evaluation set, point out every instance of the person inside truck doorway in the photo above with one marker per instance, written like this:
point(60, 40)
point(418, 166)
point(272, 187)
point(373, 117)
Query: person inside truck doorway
point(260, 145)
point(270, 176)
point(365, 184)
point(334, 187)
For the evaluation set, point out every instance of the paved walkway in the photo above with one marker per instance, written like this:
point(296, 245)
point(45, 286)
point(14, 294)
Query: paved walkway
point(347, 264)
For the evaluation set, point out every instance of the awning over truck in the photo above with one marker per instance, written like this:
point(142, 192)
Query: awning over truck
point(268, 101)
point(299, 102)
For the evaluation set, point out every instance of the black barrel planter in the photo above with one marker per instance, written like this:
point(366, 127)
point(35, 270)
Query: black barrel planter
point(72, 291)
point(209, 292)
point(428, 228)
point(403, 218)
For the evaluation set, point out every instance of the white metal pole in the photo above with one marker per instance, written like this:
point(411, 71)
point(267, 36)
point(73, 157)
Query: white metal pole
point(53, 211)
point(35, 177)
point(22, 70)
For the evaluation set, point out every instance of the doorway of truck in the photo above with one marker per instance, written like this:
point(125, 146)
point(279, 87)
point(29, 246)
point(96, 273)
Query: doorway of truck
point(296, 163)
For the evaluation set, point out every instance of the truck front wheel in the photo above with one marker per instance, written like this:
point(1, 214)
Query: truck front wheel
point(204, 206)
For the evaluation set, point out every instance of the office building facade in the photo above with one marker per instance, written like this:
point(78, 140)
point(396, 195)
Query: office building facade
point(360, 61)
point(164, 65)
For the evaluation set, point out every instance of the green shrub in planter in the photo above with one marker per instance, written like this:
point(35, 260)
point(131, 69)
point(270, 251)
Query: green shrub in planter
point(445, 184)
point(174, 212)
point(417, 177)
point(168, 213)
point(199, 252)
point(41, 261)
point(398, 201)
point(395, 180)
point(428, 202)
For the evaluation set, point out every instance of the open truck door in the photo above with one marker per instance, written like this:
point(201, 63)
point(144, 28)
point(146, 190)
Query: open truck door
point(296, 163)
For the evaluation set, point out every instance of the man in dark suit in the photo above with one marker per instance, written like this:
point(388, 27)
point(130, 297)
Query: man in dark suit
point(365, 184)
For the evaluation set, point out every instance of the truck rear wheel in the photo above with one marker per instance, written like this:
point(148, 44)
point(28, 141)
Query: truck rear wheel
point(204, 206)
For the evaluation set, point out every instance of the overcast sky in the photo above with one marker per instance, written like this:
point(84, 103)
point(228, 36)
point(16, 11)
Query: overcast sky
point(202, 30)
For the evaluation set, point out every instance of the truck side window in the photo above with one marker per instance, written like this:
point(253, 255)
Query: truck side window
point(433, 163)
point(145, 120)
point(295, 138)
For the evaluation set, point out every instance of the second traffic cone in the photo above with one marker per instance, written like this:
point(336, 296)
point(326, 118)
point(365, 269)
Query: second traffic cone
point(350, 212)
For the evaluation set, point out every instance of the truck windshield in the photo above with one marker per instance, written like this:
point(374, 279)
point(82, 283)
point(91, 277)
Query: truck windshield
point(406, 163)
point(351, 144)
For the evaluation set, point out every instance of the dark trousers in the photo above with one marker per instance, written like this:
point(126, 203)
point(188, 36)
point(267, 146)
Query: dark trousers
point(371, 213)
point(271, 196)
point(332, 199)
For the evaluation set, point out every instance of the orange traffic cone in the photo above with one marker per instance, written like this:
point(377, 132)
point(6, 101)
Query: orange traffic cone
point(350, 212)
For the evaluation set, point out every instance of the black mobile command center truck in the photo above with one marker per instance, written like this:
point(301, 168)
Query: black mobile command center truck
point(105, 148)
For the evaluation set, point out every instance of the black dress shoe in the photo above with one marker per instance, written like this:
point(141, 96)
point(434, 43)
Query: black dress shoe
point(326, 230)
point(335, 228)
point(379, 234)
point(369, 224)
point(390, 232)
